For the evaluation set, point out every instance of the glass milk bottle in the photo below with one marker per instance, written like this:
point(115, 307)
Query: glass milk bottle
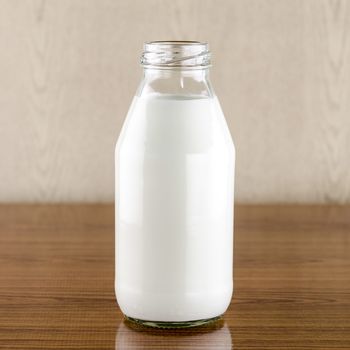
point(174, 193)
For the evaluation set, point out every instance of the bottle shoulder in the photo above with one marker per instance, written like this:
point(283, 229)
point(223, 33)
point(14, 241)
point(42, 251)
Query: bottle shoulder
point(175, 124)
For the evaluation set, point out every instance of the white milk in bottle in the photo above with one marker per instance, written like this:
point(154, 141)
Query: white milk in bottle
point(174, 194)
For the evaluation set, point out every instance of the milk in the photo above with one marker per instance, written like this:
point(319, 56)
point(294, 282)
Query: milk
point(174, 209)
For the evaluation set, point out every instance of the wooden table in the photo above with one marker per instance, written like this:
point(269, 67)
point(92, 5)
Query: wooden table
point(292, 282)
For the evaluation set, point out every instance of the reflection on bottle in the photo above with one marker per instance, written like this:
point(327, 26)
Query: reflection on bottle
point(212, 336)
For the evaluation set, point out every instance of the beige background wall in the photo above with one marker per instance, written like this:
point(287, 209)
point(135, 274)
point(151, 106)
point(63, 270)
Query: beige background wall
point(69, 69)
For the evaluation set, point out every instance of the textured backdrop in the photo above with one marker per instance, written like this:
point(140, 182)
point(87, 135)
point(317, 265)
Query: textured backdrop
point(69, 69)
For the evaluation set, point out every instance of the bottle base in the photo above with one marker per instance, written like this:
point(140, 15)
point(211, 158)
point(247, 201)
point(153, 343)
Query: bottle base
point(162, 324)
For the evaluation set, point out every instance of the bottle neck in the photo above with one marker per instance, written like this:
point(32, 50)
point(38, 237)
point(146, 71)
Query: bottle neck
point(175, 81)
point(173, 73)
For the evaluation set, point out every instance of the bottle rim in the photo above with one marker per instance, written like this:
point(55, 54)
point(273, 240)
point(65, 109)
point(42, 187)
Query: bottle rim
point(170, 54)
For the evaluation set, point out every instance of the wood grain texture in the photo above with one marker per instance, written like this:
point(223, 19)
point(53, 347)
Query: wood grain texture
point(69, 69)
point(292, 285)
